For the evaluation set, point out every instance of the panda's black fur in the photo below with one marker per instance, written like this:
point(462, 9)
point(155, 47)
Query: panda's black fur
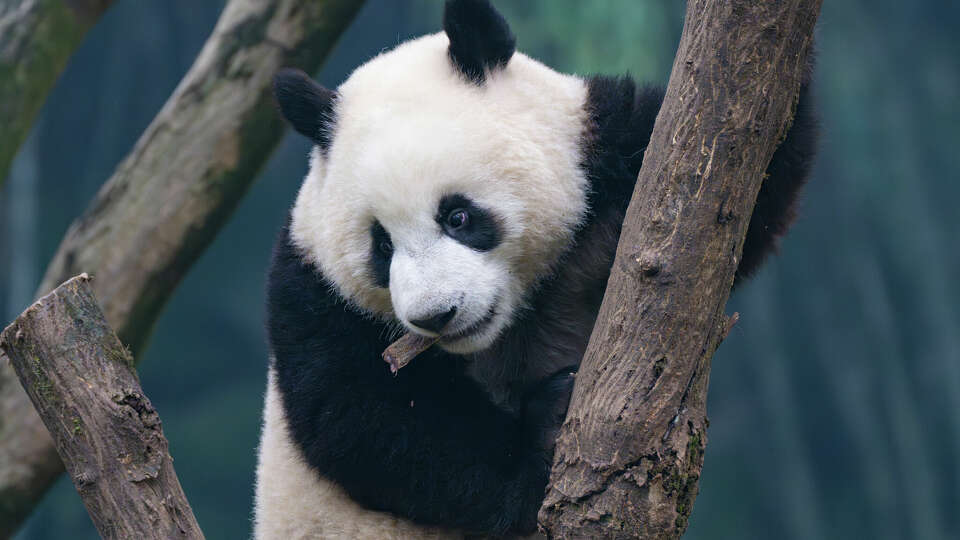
point(429, 444)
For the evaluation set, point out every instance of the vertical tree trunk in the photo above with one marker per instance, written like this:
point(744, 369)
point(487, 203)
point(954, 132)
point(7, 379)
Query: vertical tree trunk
point(629, 456)
point(168, 199)
point(37, 38)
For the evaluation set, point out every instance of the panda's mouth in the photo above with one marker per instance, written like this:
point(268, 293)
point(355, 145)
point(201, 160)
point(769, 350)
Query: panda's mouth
point(473, 329)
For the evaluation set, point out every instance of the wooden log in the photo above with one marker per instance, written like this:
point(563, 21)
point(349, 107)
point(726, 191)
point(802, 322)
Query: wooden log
point(83, 383)
point(629, 455)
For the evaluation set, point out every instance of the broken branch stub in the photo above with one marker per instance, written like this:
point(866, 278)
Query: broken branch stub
point(82, 382)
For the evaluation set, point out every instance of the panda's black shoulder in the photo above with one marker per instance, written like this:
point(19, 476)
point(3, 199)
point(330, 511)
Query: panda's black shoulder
point(620, 120)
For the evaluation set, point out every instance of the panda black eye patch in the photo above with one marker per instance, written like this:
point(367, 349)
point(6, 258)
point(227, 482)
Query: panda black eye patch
point(464, 221)
point(381, 253)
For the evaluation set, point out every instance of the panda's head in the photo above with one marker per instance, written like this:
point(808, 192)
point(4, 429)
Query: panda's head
point(445, 181)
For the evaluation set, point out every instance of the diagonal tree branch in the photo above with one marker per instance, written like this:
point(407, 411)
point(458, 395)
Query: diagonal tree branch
point(37, 38)
point(629, 455)
point(168, 199)
point(82, 381)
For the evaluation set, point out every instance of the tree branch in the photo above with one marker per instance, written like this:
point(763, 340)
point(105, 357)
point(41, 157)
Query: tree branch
point(629, 455)
point(37, 38)
point(82, 381)
point(169, 197)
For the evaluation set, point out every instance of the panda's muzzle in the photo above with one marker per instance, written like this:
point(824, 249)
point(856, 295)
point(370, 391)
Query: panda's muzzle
point(436, 322)
point(472, 329)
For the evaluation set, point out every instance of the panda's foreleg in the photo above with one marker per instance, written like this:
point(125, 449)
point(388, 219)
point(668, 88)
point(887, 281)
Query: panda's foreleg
point(427, 445)
point(776, 203)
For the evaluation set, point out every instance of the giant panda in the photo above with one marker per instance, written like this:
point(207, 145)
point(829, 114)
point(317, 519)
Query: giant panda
point(460, 189)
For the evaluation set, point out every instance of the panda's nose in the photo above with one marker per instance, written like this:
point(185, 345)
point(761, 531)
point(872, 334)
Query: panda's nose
point(434, 323)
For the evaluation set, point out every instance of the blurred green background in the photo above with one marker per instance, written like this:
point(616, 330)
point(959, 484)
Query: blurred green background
point(834, 404)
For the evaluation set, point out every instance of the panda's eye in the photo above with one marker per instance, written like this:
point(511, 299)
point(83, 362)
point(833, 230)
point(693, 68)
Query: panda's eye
point(468, 223)
point(458, 219)
point(385, 247)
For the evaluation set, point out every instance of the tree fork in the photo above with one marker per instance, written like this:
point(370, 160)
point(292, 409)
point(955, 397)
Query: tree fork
point(629, 456)
point(82, 382)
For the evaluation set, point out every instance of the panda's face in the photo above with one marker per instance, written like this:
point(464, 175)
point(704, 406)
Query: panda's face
point(444, 273)
point(439, 202)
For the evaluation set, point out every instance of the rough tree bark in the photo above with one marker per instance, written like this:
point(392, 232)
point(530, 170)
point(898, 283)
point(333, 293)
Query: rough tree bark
point(81, 380)
point(173, 192)
point(629, 455)
point(37, 38)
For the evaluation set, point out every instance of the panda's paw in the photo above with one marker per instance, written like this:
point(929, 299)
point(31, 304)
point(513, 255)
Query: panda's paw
point(546, 408)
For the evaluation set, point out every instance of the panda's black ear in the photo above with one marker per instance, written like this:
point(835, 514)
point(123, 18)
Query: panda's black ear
point(305, 104)
point(480, 38)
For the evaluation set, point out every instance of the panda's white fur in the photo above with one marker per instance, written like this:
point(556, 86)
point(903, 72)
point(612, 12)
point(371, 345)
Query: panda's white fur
point(399, 119)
